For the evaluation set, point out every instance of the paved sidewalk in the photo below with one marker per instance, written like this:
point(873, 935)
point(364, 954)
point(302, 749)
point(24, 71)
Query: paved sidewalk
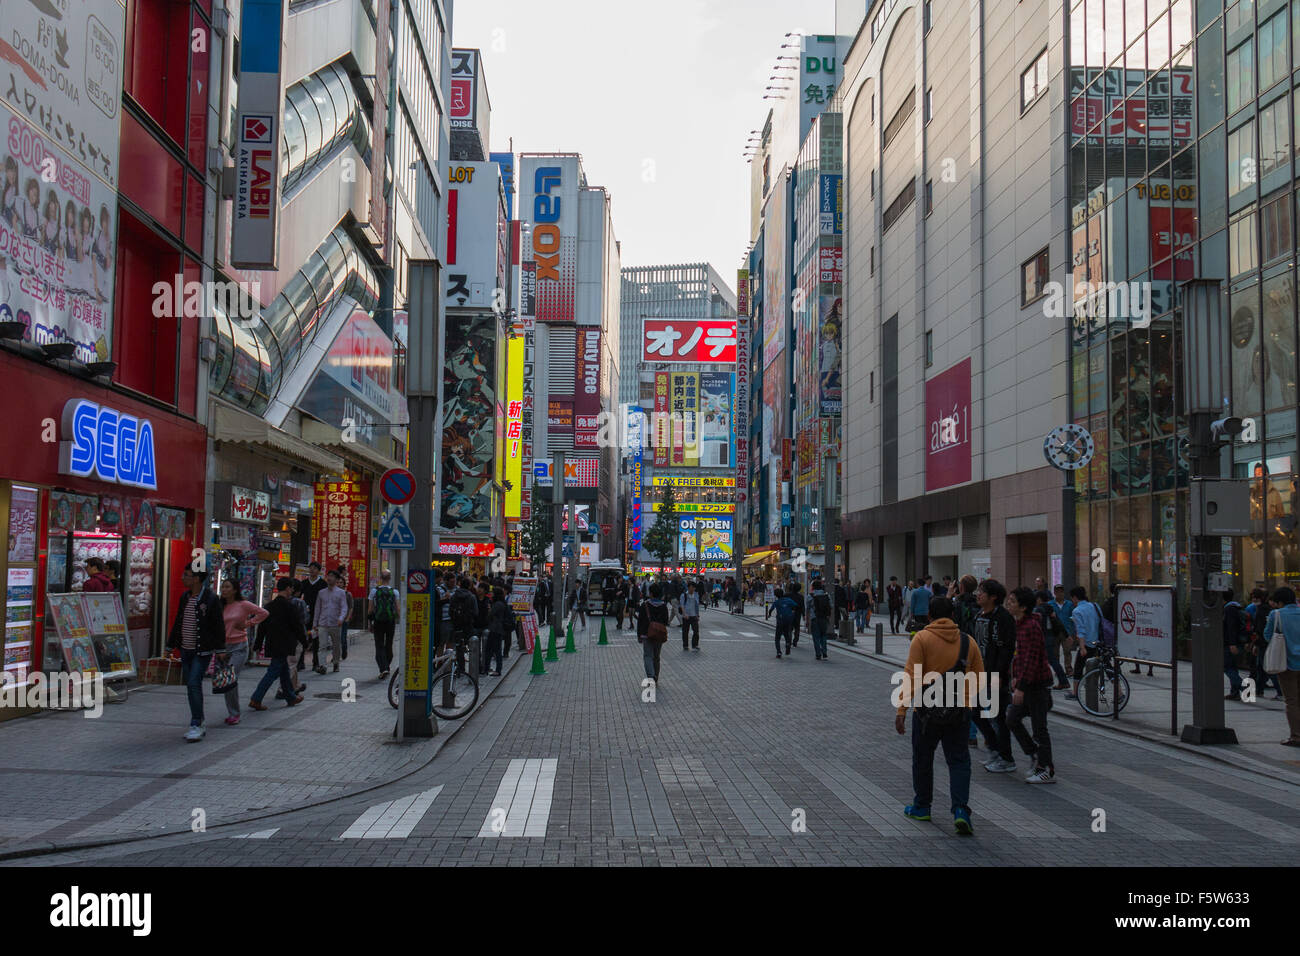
point(66, 779)
point(1260, 726)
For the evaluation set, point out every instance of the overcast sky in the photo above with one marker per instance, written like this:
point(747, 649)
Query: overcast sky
point(658, 98)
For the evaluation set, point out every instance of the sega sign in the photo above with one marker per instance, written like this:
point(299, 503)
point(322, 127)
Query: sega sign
point(107, 444)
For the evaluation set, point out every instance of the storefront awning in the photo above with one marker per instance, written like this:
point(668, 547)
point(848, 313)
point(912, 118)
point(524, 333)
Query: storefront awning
point(231, 424)
point(758, 556)
point(318, 433)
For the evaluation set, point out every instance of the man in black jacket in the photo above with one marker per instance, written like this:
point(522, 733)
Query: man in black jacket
point(995, 632)
point(198, 631)
point(283, 630)
point(312, 586)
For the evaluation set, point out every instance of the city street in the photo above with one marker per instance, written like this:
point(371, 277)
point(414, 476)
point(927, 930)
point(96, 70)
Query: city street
point(734, 753)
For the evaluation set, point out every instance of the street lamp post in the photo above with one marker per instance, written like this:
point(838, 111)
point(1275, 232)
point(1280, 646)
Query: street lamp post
point(1205, 355)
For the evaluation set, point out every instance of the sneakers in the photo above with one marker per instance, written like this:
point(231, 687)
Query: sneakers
point(194, 734)
point(382, 675)
point(1042, 775)
point(961, 822)
point(231, 721)
point(336, 668)
point(258, 705)
point(998, 765)
point(916, 813)
point(778, 655)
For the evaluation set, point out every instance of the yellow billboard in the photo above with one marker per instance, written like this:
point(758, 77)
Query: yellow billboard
point(514, 426)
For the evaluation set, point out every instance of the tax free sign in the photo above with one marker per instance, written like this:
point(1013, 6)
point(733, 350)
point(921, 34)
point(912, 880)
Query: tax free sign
point(100, 442)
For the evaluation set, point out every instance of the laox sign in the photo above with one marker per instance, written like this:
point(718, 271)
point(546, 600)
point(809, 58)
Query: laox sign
point(107, 444)
point(546, 218)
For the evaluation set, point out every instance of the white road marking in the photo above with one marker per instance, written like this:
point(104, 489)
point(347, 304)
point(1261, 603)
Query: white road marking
point(259, 835)
point(393, 820)
point(522, 805)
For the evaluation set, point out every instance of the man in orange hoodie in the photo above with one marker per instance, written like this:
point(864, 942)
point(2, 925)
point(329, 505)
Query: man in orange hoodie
point(938, 649)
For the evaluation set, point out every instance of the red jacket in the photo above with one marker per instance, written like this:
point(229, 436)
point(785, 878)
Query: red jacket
point(98, 582)
point(1029, 666)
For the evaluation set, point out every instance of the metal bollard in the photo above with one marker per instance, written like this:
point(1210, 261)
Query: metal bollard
point(475, 661)
point(880, 638)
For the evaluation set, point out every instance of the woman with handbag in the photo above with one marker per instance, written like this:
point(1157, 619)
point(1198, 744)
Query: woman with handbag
point(236, 614)
point(652, 629)
point(1282, 632)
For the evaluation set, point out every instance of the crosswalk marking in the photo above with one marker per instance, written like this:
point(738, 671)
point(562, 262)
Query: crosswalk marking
point(392, 820)
point(259, 835)
point(522, 805)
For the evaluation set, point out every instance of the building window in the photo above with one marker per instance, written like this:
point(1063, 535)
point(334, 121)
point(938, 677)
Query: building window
point(1275, 227)
point(1033, 279)
point(1274, 136)
point(1241, 76)
point(927, 16)
point(905, 199)
point(929, 196)
point(873, 176)
point(901, 116)
point(873, 260)
point(1033, 82)
point(929, 348)
point(1272, 51)
point(1242, 168)
point(928, 113)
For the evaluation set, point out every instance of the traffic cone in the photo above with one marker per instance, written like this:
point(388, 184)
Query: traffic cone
point(551, 654)
point(538, 666)
point(604, 638)
point(568, 640)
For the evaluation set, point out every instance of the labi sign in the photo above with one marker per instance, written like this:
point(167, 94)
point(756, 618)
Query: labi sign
point(100, 442)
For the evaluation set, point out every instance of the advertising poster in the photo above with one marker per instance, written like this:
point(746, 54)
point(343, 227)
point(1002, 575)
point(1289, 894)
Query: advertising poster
point(104, 612)
point(476, 254)
point(715, 419)
point(355, 383)
point(22, 524)
point(830, 321)
point(948, 427)
point(715, 538)
point(68, 615)
point(663, 435)
point(341, 529)
point(686, 407)
point(468, 421)
point(774, 273)
point(522, 593)
point(548, 198)
point(586, 389)
point(79, 655)
point(578, 473)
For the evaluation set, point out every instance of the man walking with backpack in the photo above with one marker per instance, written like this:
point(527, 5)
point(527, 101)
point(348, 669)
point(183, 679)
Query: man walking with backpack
point(383, 621)
point(995, 632)
point(462, 614)
point(938, 649)
point(1086, 618)
point(1054, 632)
point(785, 608)
point(1235, 634)
point(821, 619)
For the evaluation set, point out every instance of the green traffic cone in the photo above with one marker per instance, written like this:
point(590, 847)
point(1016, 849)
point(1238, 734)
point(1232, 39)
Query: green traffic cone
point(568, 640)
point(551, 654)
point(604, 638)
point(538, 667)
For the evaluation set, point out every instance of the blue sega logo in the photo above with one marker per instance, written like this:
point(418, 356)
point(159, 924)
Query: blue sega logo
point(110, 445)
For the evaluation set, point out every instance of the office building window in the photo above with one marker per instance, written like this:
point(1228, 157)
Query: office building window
point(1272, 51)
point(904, 199)
point(1033, 82)
point(1241, 76)
point(929, 105)
point(901, 116)
point(929, 348)
point(1033, 279)
point(873, 260)
point(927, 16)
point(929, 196)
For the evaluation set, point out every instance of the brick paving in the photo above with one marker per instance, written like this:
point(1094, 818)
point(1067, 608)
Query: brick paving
point(743, 759)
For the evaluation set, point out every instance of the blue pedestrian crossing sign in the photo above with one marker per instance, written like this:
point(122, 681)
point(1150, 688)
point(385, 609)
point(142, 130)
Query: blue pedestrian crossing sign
point(396, 534)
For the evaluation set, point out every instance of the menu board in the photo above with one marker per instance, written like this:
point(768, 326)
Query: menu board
point(18, 624)
point(22, 524)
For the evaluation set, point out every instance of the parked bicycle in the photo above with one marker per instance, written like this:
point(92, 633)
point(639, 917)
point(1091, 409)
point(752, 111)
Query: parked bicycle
point(454, 688)
point(1100, 672)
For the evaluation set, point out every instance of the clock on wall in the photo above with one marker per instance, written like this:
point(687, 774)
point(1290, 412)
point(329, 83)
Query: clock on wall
point(1068, 447)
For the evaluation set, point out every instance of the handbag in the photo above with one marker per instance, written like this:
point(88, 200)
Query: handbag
point(224, 677)
point(1275, 657)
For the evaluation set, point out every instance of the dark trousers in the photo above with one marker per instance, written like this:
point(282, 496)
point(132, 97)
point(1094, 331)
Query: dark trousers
point(1054, 658)
point(492, 652)
point(895, 619)
point(1037, 701)
point(383, 631)
point(687, 624)
point(1230, 668)
point(313, 645)
point(782, 632)
point(955, 751)
point(278, 669)
point(1261, 676)
point(996, 735)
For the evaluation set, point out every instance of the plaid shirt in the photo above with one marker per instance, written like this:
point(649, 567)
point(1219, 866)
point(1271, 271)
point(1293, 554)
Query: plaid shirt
point(1030, 666)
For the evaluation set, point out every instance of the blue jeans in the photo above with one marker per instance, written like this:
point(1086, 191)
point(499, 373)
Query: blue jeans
point(193, 666)
point(1230, 668)
point(955, 751)
point(278, 668)
point(819, 626)
point(861, 615)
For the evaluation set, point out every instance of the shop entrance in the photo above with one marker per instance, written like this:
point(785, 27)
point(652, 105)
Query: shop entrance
point(1026, 558)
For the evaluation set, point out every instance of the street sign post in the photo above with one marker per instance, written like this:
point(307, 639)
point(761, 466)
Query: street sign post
point(417, 658)
point(396, 535)
point(397, 486)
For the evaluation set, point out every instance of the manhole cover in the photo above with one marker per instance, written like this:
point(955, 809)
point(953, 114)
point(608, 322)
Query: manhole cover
point(335, 695)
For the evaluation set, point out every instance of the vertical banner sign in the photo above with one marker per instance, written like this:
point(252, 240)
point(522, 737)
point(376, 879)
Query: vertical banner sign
point(549, 195)
point(679, 418)
point(254, 238)
point(586, 388)
point(514, 425)
point(341, 529)
point(469, 418)
point(742, 407)
point(61, 81)
point(636, 439)
point(947, 427)
point(662, 424)
point(463, 109)
point(742, 293)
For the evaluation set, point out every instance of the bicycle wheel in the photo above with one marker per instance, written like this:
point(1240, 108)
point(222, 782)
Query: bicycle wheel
point(454, 696)
point(395, 688)
point(1101, 681)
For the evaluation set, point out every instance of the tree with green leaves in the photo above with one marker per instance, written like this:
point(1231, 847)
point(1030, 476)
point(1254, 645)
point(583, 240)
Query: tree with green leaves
point(537, 535)
point(661, 539)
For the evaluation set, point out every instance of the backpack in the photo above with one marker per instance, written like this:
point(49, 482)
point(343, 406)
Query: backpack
point(821, 604)
point(785, 613)
point(385, 604)
point(463, 614)
point(946, 717)
point(964, 615)
point(1247, 626)
point(1107, 635)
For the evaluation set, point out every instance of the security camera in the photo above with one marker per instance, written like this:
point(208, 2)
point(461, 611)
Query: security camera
point(1226, 429)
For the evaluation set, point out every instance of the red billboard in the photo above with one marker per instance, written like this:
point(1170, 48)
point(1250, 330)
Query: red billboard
point(341, 529)
point(689, 340)
point(948, 427)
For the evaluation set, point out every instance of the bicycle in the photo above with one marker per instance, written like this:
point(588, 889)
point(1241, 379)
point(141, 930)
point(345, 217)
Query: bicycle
point(459, 687)
point(1100, 671)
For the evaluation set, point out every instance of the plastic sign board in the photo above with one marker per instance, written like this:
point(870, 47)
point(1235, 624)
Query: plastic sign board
point(397, 486)
point(1145, 623)
point(102, 443)
point(255, 213)
point(689, 341)
point(396, 534)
